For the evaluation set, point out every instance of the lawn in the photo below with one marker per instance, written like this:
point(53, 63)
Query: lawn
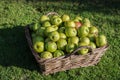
point(16, 59)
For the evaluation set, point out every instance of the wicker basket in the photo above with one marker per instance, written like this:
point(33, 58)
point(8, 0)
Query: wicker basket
point(48, 66)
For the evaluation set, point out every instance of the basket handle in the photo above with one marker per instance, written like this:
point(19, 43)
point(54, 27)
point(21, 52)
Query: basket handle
point(79, 48)
point(52, 13)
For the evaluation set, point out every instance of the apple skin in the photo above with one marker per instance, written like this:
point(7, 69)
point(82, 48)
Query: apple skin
point(101, 40)
point(74, 40)
point(86, 22)
point(56, 21)
point(92, 44)
point(58, 53)
point(38, 46)
point(51, 46)
point(44, 18)
point(85, 40)
point(46, 24)
point(84, 50)
point(61, 30)
point(62, 35)
point(40, 31)
point(77, 25)
point(93, 31)
point(61, 43)
point(70, 24)
point(70, 32)
point(54, 36)
point(37, 39)
point(83, 31)
point(46, 55)
point(65, 18)
point(34, 27)
point(70, 47)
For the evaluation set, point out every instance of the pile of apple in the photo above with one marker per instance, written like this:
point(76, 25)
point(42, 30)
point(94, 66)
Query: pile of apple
point(55, 36)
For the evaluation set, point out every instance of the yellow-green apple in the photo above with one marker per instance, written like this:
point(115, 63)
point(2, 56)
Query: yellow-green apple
point(51, 46)
point(58, 53)
point(46, 24)
point(78, 24)
point(84, 50)
point(46, 55)
point(70, 32)
point(92, 44)
point(44, 18)
point(86, 22)
point(93, 31)
point(37, 39)
point(62, 35)
point(34, 26)
point(73, 39)
point(83, 31)
point(54, 36)
point(65, 17)
point(38, 46)
point(70, 47)
point(61, 30)
point(70, 24)
point(40, 31)
point(61, 43)
point(101, 40)
point(85, 40)
point(56, 21)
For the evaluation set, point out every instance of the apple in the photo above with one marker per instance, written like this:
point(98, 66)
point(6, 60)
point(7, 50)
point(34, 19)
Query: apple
point(38, 46)
point(62, 35)
point(65, 18)
point(46, 55)
point(101, 40)
point(70, 32)
point(44, 18)
point(46, 24)
point(83, 31)
point(61, 30)
point(56, 21)
point(77, 25)
point(73, 39)
point(61, 43)
point(84, 50)
point(37, 39)
point(54, 36)
point(85, 40)
point(92, 44)
point(58, 53)
point(51, 46)
point(70, 24)
point(40, 31)
point(34, 26)
point(86, 22)
point(93, 31)
point(70, 47)
point(77, 19)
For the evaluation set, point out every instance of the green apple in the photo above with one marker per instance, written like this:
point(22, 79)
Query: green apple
point(61, 30)
point(58, 53)
point(51, 46)
point(70, 24)
point(91, 37)
point(65, 18)
point(93, 31)
point(56, 21)
point(84, 50)
point(37, 39)
point(46, 55)
point(47, 40)
point(61, 43)
point(83, 31)
point(85, 40)
point(78, 24)
point(38, 46)
point(70, 32)
point(40, 31)
point(46, 24)
point(73, 39)
point(44, 18)
point(101, 40)
point(70, 47)
point(34, 26)
point(62, 35)
point(78, 18)
point(33, 35)
point(54, 36)
point(92, 44)
point(86, 22)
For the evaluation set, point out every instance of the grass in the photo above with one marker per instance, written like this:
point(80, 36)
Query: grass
point(16, 60)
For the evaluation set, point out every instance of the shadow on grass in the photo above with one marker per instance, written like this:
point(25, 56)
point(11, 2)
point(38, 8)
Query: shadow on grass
point(14, 50)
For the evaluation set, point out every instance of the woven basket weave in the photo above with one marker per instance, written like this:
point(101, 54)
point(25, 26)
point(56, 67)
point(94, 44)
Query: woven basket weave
point(66, 62)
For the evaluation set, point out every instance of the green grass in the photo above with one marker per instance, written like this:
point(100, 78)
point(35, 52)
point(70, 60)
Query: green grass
point(16, 60)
